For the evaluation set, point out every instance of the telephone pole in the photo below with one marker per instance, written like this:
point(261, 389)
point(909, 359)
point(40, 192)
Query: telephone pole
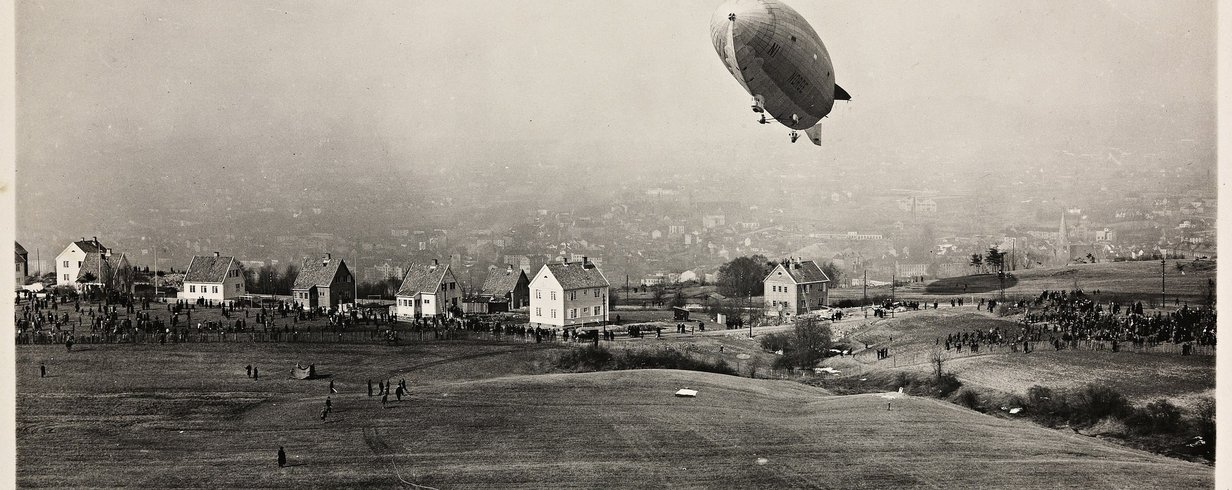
point(1163, 286)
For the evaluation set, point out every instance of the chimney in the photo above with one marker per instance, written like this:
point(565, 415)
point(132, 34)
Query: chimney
point(327, 258)
point(434, 265)
point(508, 269)
point(216, 255)
point(585, 261)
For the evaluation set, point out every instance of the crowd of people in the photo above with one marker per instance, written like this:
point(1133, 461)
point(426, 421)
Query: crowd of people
point(1065, 317)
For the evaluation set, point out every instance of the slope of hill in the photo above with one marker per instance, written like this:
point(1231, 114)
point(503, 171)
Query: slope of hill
point(612, 429)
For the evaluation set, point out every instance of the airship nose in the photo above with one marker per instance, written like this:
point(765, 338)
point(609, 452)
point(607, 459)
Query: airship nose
point(732, 10)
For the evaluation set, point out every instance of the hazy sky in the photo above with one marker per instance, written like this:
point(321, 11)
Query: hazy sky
point(145, 88)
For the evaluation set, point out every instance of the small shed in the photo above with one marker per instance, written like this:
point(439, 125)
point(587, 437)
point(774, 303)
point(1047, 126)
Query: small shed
point(680, 314)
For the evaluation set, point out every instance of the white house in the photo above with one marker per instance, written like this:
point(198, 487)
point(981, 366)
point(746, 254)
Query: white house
point(87, 264)
point(427, 291)
point(69, 262)
point(795, 287)
point(213, 278)
point(569, 295)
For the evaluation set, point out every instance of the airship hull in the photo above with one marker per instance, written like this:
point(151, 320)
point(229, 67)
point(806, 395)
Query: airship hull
point(777, 57)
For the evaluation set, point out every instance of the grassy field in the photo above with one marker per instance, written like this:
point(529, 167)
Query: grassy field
point(480, 415)
point(1121, 280)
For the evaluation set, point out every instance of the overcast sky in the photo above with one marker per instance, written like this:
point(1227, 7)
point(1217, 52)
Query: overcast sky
point(131, 86)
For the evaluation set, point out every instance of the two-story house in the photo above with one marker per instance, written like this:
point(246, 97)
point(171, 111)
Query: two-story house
point(428, 290)
point(327, 282)
point(213, 278)
point(567, 295)
point(88, 265)
point(794, 287)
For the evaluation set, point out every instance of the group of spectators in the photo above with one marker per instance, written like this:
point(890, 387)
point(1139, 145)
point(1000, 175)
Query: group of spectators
point(1066, 317)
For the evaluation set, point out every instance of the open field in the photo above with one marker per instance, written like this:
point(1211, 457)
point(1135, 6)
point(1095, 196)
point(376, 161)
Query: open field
point(478, 416)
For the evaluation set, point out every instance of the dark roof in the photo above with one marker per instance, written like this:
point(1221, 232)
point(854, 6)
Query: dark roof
point(422, 278)
point(804, 271)
point(207, 268)
point(317, 273)
point(20, 249)
point(93, 264)
point(90, 246)
point(501, 281)
point(577, 276)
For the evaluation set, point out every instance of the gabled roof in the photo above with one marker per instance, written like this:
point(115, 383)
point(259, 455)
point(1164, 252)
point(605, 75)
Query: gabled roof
point(422, 278)
point(805, 271)
point(19, 249)
point(90, 246)
point(92, 263)
point(208, 268)
point(318, 273)
point(501, 281)
point(577, 276)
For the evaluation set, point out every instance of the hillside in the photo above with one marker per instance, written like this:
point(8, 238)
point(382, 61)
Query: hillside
point(462, 428)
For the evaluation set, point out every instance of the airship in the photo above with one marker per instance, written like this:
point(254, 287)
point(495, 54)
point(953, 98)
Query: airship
point(780, 60)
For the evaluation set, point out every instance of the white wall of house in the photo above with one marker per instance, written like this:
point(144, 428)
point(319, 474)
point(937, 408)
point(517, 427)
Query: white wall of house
point(231, 287)
point(552, 305)
point(547, 302)
point(68, 265)
point(780, 293)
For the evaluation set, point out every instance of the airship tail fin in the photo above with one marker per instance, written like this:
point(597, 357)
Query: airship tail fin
point(840, 94)
point(814, 133)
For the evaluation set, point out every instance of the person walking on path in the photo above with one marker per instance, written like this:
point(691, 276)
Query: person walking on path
point(42, 370)
point(282, 457)
point(255, 375)
point(399, 392)
point(248, 369)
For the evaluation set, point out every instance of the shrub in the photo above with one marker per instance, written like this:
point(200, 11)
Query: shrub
point(775, 342)
point(969, 398)
point(1093, 402)
point(1157, 416)
point(595, 358)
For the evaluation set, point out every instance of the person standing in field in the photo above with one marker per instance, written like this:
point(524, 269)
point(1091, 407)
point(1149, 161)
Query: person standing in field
point(282, 457)
point(248, 369)
point(255, 375)
point(384, 398)
point(42, 370)
point(369, 387)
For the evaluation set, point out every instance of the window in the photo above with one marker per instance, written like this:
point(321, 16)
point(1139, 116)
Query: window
point(572, 295)
point(66, 265)
point(192, 288)
point(78, 263)
point(537, 295)
point(596, 292)
point(451, 286)
point(553, 295)
point(538, 312)
point(585, 311)
point(427, 301)
point(66, 278)
point(598, 310)
point(553, 312)
point(215, 289)
point(572, 312)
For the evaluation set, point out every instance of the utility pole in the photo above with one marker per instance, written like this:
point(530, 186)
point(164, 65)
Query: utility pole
point(865, 302)
point(893, 286)
point(1163, 286)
